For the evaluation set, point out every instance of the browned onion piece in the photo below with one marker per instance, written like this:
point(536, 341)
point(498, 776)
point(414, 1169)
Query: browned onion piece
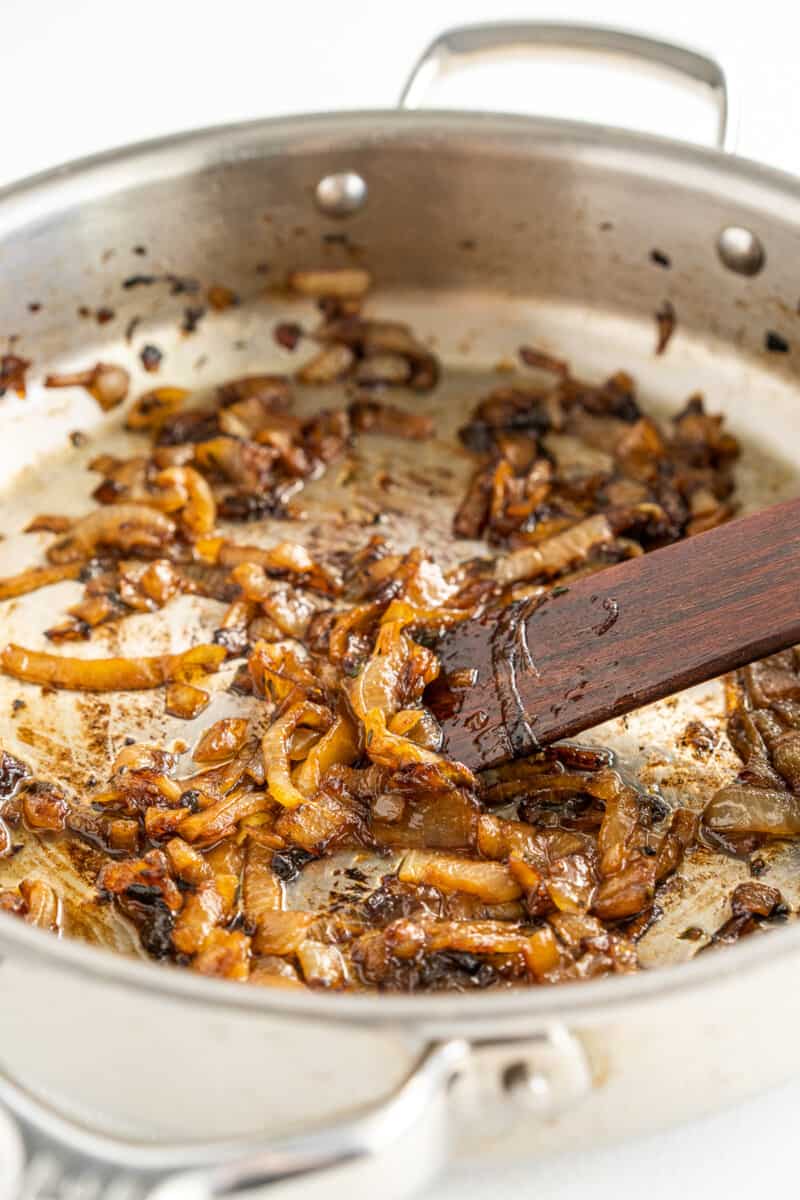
point(275, 748)
point(108, 674)
point(571, 883)
point(273, 392)
point(220, 297)
point(491, 881)
point(163, 822)
point(150, 871)
point(245, 463)
point(542, 953)
point(153, 408)
point(338, 745)
point(331, 363)
point(43, 807)
point(346, 283)
point(220, 819)
point(322, 966)
point(390, 750)
point(187, 863)
point(738, 808)
point(37, 577)
point(226, 954)
point(271, 971)
point(193, 498)
point(141, 756)
point(557, 553)
point(386, 369)
point(262, 890)
point(221, 740)
point(542, 361)
point(369, 416)
point(626, 893)
point(475, 937)
point(105, 382)
point(318, 823)
point(285, 558)
point(186, 701)
point(43, 907)
point(201, 912)
point(427, 820)
point(124, 527)
point(12, 373)
point(282, 932)
point(48, 523)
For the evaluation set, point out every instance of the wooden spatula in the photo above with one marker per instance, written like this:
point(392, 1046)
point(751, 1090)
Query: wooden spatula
point(621, 638)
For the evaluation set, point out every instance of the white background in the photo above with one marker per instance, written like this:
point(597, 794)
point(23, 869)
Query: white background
point(81, 75)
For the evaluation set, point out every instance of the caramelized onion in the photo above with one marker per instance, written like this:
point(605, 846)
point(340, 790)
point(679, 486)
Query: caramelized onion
point(329, 364)
point(557, 553)
point(221, 818)
point(262, 890)
point(737, 808)
point(124, 527)
point(108, 674)
point(35, 578)
point(201, 911)
point(186, 701)
point(191, 495)
point(221, 740)
point(520, 877)
point(106, 383)
point(226, 954)
point(337, 746)
point(347, 283)
point(322, 966)
point(153, 408)
point(42, 904)
point(275, 748)
point(492, 882)
point(282, 932)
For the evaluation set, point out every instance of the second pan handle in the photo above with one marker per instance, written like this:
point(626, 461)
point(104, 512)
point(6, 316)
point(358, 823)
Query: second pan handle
point(469, 44)
point(390, 1148)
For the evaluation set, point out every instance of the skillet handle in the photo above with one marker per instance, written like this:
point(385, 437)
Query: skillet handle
point(389, 1149)
point(469, 44)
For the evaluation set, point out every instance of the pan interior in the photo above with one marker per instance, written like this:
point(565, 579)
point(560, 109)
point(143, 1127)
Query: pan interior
point(412, 489)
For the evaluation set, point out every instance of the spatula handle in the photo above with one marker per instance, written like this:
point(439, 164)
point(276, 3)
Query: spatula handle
point(645, 629)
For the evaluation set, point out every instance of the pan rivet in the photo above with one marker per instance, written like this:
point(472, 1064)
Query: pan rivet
point(528, 1089)
point(341, 194)
point(740, 250)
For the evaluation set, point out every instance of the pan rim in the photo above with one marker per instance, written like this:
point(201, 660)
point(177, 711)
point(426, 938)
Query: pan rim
point(571, 1004)
point(495, 133)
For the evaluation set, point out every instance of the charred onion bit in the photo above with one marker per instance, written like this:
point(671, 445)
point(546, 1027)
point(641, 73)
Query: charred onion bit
point(12, 374)
point(106, 383)
point(753, 907)
point(546, 870)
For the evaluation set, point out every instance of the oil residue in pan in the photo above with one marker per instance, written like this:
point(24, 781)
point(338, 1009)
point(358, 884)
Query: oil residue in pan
point(407, 491)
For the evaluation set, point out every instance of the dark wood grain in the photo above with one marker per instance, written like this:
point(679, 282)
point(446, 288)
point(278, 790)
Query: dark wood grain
point(624, 637)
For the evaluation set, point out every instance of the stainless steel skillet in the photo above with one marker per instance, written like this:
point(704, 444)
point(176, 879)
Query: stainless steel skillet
point(486, 230)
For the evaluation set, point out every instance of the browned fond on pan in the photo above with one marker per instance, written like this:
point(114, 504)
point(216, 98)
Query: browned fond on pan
point(414, 488)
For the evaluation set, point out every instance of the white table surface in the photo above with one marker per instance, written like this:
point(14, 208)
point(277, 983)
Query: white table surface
point(81, 75)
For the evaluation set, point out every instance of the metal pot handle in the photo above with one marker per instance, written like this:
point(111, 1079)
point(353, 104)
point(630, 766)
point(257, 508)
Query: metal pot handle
point(471, 43)
point(391, 1148)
